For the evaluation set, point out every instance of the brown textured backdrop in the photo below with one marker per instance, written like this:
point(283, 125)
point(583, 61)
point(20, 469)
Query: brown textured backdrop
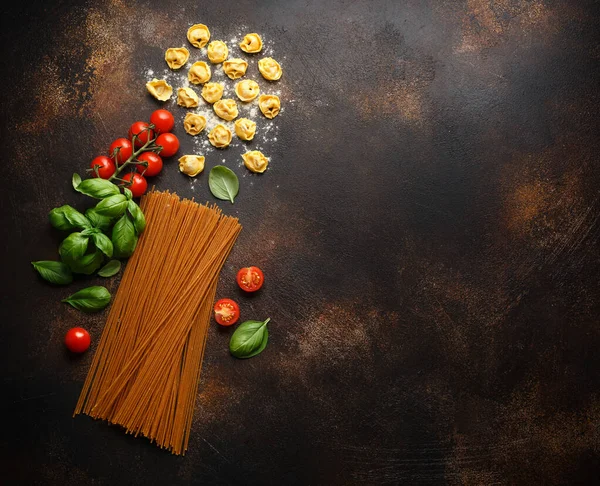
point(428, 229)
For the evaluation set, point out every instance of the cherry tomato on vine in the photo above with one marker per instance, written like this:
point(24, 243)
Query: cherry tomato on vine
point(138, 186)
point(169, 144)
point(250, 279)
point(143, 131)
point(162, 120)
point(77, 340)
point(120, 150)
point(154, 161)
point(105, 165)
point(226, 311)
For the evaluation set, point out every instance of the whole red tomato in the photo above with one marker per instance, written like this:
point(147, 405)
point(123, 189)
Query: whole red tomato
point(169, 143)
point(138, 185)
point(77, 340)
point(142, 131)
point(162, 120)
point(154, 161)
point(103, 166)
point(120, 150)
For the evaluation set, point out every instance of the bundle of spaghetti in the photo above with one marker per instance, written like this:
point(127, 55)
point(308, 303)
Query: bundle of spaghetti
point(145, 371)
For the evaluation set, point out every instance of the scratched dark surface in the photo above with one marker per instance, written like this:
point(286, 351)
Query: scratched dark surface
point(428, 228)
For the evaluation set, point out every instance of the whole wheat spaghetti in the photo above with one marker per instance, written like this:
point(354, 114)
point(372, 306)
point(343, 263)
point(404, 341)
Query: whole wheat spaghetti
point(145, 371)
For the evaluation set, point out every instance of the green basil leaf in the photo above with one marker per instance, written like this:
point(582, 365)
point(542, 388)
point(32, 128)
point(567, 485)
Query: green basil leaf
point(59, 220)
point(110, 269)
point(139, 220)
point(77, 219)
point(249, 339)
point(128, 193)
point(223, 183)
point(98, 188)
point(112, 206)
point(54, 272)
point(90, 299)
point(76, 180)
point(73, 247)
point(124, 238)
point(87, 264)
point(90, 231)
point(103, 223)
point(103, 243)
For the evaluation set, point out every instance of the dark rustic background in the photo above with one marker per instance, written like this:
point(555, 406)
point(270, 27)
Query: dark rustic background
point(428, 228)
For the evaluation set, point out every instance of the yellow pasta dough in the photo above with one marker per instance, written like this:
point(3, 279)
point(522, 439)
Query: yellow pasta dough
point(199, 73)
point(270, 69)
point(198, 35)
point(251, 43)
point(193, 123)
point(269, 105)
point(187, 97)
point(245, 129)
point(217, 51)
point(212, 92)
point(220, 136)
point(235, 68)
point(255, 161)
point(247, 89)
point(160, 89)
point(176, 57)
point(191, 165)
point(226, 109)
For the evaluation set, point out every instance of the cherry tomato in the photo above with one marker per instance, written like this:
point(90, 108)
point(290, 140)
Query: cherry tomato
point(250, 279)
point(155, 164)
point(120, 150)
point(227, 312)
point(143, 131)
point(105, 165)
point(77, 340)
point(138, 186)
point(169, 144)
point(162, 120)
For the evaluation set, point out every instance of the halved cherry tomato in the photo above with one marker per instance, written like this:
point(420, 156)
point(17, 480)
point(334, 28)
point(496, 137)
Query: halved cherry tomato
point(154, 161)
point(169, 143)
point(104, 165)
point(120, 150)
point(142, 131)
point(77, 340)
point(250, 279)
point(162, 120)
point(227, 312)
point(138, 186)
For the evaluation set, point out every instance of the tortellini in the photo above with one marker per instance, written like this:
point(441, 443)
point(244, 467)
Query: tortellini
point(255, 161)
point(199, 73)
point(270, 69)
point(217, 51)
point(247, 89)
point(251, 43)
point(198, 35)
point(191, 165)
point(176, 57)
point(187, 97)
point(245, 129)
point(212, 92)
point(193, 123)
point(160, 89)
point(269, 105)
point(235, 68)
point(220, 136)
point(226, 109)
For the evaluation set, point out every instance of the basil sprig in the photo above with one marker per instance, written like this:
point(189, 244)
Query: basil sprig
point(249, 339)
point(90, 299)
point(223, 183)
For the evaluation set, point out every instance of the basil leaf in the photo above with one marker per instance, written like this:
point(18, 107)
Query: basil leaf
point(110, 269)
point(90, 231)
point(97, 188)
point(139, 220)
point(87, 264)
point(90, 299)
point(128, 193)
point(76, 180)
point(123, 238)
point(103, 243)
point(54, 272)
point(249, 339)
point(59, 220)
point(77, 219)
point(112, 206)
point(223, 183)
point(73, 247)
point(103, 223)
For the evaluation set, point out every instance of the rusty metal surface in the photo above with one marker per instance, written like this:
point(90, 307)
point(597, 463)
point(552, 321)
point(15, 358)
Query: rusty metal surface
point(428, 229)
